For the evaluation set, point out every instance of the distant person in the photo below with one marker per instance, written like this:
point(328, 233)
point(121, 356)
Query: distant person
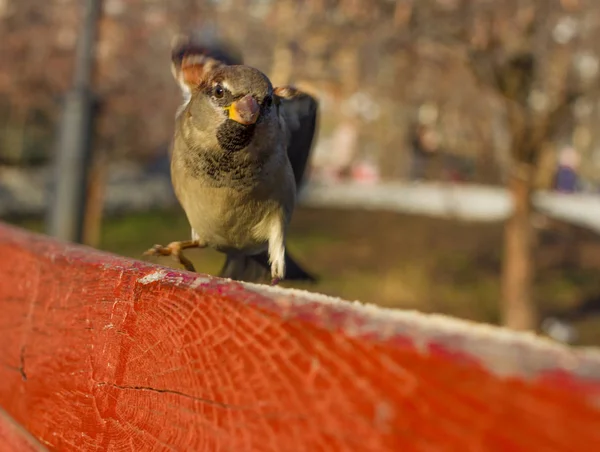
point(424, 145)
point(457, 168)
point(566, 179)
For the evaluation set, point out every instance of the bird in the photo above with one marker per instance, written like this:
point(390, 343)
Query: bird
point(238, 157)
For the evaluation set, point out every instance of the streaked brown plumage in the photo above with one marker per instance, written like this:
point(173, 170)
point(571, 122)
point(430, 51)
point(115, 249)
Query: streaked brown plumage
point(238, 154)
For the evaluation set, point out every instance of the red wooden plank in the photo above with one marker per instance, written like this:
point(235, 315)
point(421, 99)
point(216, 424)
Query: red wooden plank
point(104, 353)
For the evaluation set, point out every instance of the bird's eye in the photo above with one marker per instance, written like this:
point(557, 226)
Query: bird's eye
point(219, 91)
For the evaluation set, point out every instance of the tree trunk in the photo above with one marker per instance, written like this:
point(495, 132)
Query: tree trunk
point(518, 310)
point(96, 190)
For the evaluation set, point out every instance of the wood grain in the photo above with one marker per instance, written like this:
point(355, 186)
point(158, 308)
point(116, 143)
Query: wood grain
point(102, 353)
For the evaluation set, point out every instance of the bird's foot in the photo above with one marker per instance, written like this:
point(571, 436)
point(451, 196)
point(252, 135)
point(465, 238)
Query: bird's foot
point(275, 281)
point(174, 249)
point(159, 250)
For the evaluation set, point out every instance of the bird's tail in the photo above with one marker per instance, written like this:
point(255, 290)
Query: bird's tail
point(256, 268)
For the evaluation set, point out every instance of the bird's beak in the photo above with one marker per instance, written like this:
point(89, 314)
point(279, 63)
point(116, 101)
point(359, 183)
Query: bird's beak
point(245, 110)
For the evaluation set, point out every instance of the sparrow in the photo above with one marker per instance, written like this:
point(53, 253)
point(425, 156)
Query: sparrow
point(238, 156)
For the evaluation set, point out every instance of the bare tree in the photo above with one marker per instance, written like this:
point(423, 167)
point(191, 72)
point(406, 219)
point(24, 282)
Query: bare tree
point(526, 53)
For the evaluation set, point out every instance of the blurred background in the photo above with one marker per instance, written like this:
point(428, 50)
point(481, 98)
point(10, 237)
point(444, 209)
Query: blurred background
point(456, 170)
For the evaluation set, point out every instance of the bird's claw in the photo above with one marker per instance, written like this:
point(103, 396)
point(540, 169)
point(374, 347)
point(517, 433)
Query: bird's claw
point(159, 250)
point(275, 281)
point(174, 249)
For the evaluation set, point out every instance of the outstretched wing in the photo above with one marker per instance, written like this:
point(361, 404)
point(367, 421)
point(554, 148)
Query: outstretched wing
point(300, 113)
point(192, 57)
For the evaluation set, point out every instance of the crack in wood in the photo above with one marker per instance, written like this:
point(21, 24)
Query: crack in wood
point(170, 391)
point(21, 367)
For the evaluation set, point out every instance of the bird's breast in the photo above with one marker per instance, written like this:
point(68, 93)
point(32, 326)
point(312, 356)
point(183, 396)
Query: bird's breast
point(233, 202)
point(229, 219)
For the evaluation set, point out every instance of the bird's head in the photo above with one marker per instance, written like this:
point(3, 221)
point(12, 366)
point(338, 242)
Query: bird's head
point(231, 105)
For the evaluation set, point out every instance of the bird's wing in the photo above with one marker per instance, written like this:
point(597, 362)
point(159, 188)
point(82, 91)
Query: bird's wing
point(300, 113)
point(192, 57)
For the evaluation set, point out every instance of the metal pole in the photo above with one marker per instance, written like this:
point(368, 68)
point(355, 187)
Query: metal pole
point(67, 201)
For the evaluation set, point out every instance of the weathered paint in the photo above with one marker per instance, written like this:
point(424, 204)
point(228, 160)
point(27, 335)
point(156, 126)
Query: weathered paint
point(104, 353)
